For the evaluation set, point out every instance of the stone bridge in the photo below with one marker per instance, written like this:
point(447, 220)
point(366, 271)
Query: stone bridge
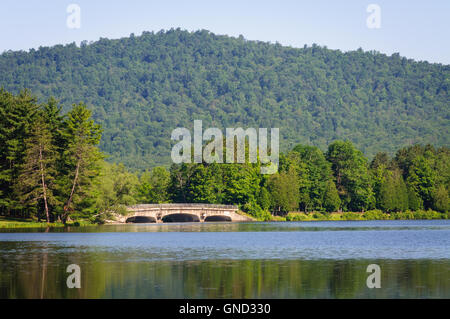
point(166, 213)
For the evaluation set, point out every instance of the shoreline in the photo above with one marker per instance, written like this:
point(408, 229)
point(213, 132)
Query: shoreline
point(17, 223)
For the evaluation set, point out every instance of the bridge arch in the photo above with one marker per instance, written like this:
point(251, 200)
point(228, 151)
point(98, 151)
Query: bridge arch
point(180, 218)
point(141, 219)
point(218, 218)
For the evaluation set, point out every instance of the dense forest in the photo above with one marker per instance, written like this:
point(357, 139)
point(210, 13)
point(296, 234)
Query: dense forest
point(52, 169)
point(142, 87)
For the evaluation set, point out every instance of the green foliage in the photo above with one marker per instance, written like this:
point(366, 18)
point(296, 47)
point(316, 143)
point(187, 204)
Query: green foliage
point(331, 200)
point(427, 174)
point(36, 181)
point(80, 158)
point(407, 215)
point(264, 200)
point(153, 186)
point(51, 164)
point(17, 114)
point(351, 216)
point(284, 187)
point(393, 194)
point(295, 217)
point(113, 190)
point(440, 199)
point(315, 177)
point(319, 216)
point(414, 201)
point(375, 214)
point(353, 180)
point(141, 87)
point(419, 214)
point(256, 211)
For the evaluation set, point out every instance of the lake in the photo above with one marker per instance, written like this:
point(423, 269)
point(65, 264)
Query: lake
point(323, 259)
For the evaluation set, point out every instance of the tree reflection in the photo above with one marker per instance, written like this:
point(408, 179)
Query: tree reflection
point(35, 270)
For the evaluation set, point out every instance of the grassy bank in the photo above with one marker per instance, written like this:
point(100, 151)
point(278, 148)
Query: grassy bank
point(369, 215)
point(9, 222)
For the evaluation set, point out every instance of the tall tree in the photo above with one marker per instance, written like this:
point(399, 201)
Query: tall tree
point(393, 194)
point(17, 114)
point(352, 176)
point(331, 200)
point(81, 157)
point(316, 175)
point(36, 179)
point(284, 188)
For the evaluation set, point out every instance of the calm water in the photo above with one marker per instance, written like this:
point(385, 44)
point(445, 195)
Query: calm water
point(230, 260)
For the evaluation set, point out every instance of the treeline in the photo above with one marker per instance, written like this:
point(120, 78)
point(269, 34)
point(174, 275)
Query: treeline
point(309, 180)
point(52, 169)
point(47, 162)
point(142, 87)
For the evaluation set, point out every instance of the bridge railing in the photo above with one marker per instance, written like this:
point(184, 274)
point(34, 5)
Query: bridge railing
point(183, 205)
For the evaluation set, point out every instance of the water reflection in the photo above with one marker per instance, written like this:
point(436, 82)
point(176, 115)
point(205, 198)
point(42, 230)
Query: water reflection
point(219, 278)
point(249, 226)
point(269, 260)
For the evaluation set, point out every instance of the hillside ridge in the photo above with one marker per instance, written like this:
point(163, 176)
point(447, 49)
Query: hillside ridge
point(140, 88)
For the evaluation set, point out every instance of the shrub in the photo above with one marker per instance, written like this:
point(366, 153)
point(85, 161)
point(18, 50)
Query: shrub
point(256, 211)
point(351, 216)
point(319, 216)
point(375, 214)
point(293, 217)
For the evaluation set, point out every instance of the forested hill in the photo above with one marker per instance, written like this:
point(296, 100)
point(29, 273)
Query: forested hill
point(142, 87)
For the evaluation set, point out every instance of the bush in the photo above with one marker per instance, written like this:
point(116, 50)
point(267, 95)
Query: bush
point(294, 217)
point(256, 211)
point(375, 214)
point(319, 216)
point(351, 216)
point(428, 214)
point(407, 215)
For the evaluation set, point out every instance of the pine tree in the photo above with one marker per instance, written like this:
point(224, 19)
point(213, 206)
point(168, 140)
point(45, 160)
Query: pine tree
point(81, 157)
point(17, 114)
point(36, 180)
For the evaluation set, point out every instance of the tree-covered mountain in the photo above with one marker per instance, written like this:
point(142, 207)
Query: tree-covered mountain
point(142, 87)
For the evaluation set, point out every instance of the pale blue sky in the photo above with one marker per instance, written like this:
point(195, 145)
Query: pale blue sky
point(416, 29)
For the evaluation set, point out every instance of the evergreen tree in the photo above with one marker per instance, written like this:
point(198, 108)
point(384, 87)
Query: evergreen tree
point(17, 114)
point(81, 157)
point(35, 182)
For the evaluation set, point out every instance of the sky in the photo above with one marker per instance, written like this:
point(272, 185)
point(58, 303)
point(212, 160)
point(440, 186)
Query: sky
point(419, 30)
